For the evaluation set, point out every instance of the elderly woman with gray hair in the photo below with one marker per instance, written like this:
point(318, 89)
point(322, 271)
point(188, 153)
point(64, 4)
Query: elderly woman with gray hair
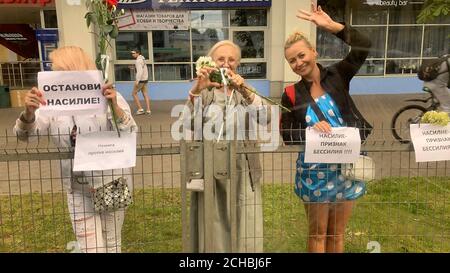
point(211, 98)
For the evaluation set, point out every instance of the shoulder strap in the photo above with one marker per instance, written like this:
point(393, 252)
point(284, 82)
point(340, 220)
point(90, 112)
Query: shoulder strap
point(290, 92)
point(304, 93)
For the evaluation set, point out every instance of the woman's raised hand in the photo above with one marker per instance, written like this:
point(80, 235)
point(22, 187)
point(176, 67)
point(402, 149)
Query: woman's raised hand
point(33, 100)
point(236, 80)
point(203, 81)
point(320, 18)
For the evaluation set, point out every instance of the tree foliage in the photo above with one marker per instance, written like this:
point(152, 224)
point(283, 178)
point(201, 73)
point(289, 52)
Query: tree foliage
point(433, 9)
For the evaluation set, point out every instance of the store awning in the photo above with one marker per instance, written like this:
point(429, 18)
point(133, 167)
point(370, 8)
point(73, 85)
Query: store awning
point(19, 38)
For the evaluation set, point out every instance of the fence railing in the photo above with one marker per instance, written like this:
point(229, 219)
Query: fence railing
point(405, 208)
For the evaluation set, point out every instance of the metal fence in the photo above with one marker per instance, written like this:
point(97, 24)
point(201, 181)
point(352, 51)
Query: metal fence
point(405, 208)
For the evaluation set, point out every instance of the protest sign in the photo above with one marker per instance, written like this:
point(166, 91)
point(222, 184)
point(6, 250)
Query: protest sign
point(342, 145)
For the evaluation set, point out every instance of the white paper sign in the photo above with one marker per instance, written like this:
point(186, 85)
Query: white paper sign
point(72, 93)
point(342, 145)
point(431, 142)
point(154, 20)
point(99, 151)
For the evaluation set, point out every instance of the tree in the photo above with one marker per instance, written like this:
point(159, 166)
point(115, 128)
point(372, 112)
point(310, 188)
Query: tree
point(433, 9)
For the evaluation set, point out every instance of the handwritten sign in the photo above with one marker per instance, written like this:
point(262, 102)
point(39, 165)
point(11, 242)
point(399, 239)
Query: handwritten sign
point(99, 151)
point(431, 142)
point(342, 145)
point(72, 93)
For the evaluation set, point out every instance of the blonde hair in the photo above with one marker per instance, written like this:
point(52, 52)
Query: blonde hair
point(71, 58)
point(223, 43)
point(296, 37)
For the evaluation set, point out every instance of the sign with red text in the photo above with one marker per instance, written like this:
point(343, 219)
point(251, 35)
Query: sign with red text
point(431, 142)
point(342, 145)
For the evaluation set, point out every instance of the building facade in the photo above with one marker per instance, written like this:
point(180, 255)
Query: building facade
point(172, 34)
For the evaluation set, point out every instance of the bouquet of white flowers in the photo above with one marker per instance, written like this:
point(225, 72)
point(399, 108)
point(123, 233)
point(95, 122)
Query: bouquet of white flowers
point(436, 118)
point(215, 76)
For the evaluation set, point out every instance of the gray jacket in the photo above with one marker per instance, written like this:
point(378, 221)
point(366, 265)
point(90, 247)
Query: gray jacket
point(208, 98)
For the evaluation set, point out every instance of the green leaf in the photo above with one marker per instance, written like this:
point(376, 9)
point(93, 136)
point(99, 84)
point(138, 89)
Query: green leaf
point(114, 33)
point(106, 29)
point(437, 12)
point(88, 21)
point(98, 61)
point(88, 3)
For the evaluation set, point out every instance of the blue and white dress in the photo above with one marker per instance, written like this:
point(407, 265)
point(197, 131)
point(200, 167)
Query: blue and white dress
point(322, 182)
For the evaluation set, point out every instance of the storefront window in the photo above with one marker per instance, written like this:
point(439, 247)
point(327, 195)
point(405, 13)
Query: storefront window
point(404, 42)
point(252, 70)
point(251, 43)
point(172, 53)
point(436, 41)
point(329, 46)
point(209, 18)
point(377, 36)
point(402, 66)
point(170, 72)
point(404, 15)
point(368, 15)
point(204, 38)
point(171, 46)
point(127, 41)
point(50, 19)
point(372, 68)
point(398, 42)
point(252, 17)
point(127, 72)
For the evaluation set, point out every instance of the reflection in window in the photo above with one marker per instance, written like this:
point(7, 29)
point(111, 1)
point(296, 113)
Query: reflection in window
point(50, 19)
point(127, 41)
point(251, 43)
point(436, 41)
point(171, 46)
point(127, 72)
point(372, 68)
point(252, 70)
point(404, 14)
point(170, 72)
point(329, 46)
point(369, 15)
point(335, 9)
point(377, 36)
point(404, 42)
point(209, 18)
point(204, 39)
point(402, 66)
point(248, 17)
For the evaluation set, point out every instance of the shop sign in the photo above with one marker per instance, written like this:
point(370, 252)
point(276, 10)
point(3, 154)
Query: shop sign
point(26, 2)
point(154, 20)
point(387, 3)
point(192, 4)
point(13, 37)
point(47, 35)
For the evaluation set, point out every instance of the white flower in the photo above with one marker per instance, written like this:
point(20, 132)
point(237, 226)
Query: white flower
point(204, 61)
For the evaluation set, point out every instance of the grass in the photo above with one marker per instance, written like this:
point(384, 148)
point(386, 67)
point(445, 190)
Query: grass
point(402, 215)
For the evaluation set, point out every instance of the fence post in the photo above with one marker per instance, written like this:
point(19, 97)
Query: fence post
point(233, 196)
point(183, 180)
